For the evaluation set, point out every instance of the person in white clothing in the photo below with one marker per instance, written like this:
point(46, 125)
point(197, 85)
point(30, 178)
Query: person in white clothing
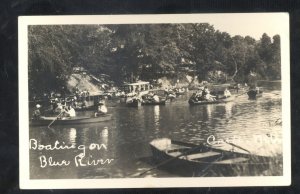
point(71, 112)
point(102, 109)
point(227, 93)
point(155, 98)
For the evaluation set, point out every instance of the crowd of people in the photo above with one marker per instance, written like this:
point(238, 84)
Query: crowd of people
point(151, 97)
point(66, 109)
point(203, 94)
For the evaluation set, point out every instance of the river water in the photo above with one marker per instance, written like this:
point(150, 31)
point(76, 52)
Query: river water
point(251, 124)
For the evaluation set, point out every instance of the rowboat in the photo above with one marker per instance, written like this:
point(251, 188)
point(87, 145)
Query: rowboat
point(196, 160)
point(253, 94)
point(193, 101)
point(147, 102)
point(69, 120)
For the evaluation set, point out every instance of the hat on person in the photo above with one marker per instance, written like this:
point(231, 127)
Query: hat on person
point(38, 106)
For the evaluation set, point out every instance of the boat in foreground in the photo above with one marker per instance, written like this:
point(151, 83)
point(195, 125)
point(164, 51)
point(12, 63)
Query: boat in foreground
point(197, 160)
point(44, 121)
point(193, 101)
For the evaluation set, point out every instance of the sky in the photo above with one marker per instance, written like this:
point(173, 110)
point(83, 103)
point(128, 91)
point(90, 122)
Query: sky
point(253, 25)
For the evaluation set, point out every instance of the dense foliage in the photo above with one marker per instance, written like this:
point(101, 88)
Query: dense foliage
point(147, 51)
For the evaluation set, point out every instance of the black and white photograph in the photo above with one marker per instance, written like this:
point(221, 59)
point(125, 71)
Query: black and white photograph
point(171, 100)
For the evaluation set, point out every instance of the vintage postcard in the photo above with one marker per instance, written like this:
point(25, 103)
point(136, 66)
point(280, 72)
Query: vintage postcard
point(147, 101)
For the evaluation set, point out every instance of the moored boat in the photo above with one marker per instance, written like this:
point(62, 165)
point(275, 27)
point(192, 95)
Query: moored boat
point(44, 121)
point(224, 99)
point(195, 160)
point(144, 103)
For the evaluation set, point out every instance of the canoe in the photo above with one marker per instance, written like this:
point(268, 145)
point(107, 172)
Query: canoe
point(253, 94)
point(43, 121)
point(145, 103)
point(217, 101)
point(196, 160)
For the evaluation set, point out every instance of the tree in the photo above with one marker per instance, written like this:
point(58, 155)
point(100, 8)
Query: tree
point(49, 60)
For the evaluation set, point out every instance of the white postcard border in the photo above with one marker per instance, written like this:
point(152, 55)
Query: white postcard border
point(281, 19)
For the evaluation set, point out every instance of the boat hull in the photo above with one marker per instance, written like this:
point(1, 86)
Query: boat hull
point(44, 121)
point(145, 103)
point(216, 164)
point(218, 101)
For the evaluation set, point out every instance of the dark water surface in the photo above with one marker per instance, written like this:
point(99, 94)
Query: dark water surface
point(248, 123)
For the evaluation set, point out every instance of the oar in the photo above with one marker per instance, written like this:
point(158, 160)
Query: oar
point(170, 160)
point(55, 119)
point(237, 146)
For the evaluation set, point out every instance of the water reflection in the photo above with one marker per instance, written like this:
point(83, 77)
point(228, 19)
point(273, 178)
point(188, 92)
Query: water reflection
point(104, 135)
point(72, 135)
point(228, 109)
point(209, 110)
point(156, 117)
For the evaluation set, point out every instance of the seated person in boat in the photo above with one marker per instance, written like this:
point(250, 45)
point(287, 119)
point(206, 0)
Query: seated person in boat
point(37, 113)
point(198, 95)
point(68, 111)
point(155, 98)
point(58, 107)
point(257, 90)
point(55, 104)
point(102, 109)
point(147, 98)
point(71, 112)
point(206, 95)
point(227, 93)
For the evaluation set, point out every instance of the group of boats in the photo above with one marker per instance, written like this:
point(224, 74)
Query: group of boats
point(145, 96)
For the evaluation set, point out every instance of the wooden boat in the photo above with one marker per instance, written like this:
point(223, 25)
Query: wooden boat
point(44, 121)
point(253, 94)
point(193, 101)
point(195, 160)
point(147, 102)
